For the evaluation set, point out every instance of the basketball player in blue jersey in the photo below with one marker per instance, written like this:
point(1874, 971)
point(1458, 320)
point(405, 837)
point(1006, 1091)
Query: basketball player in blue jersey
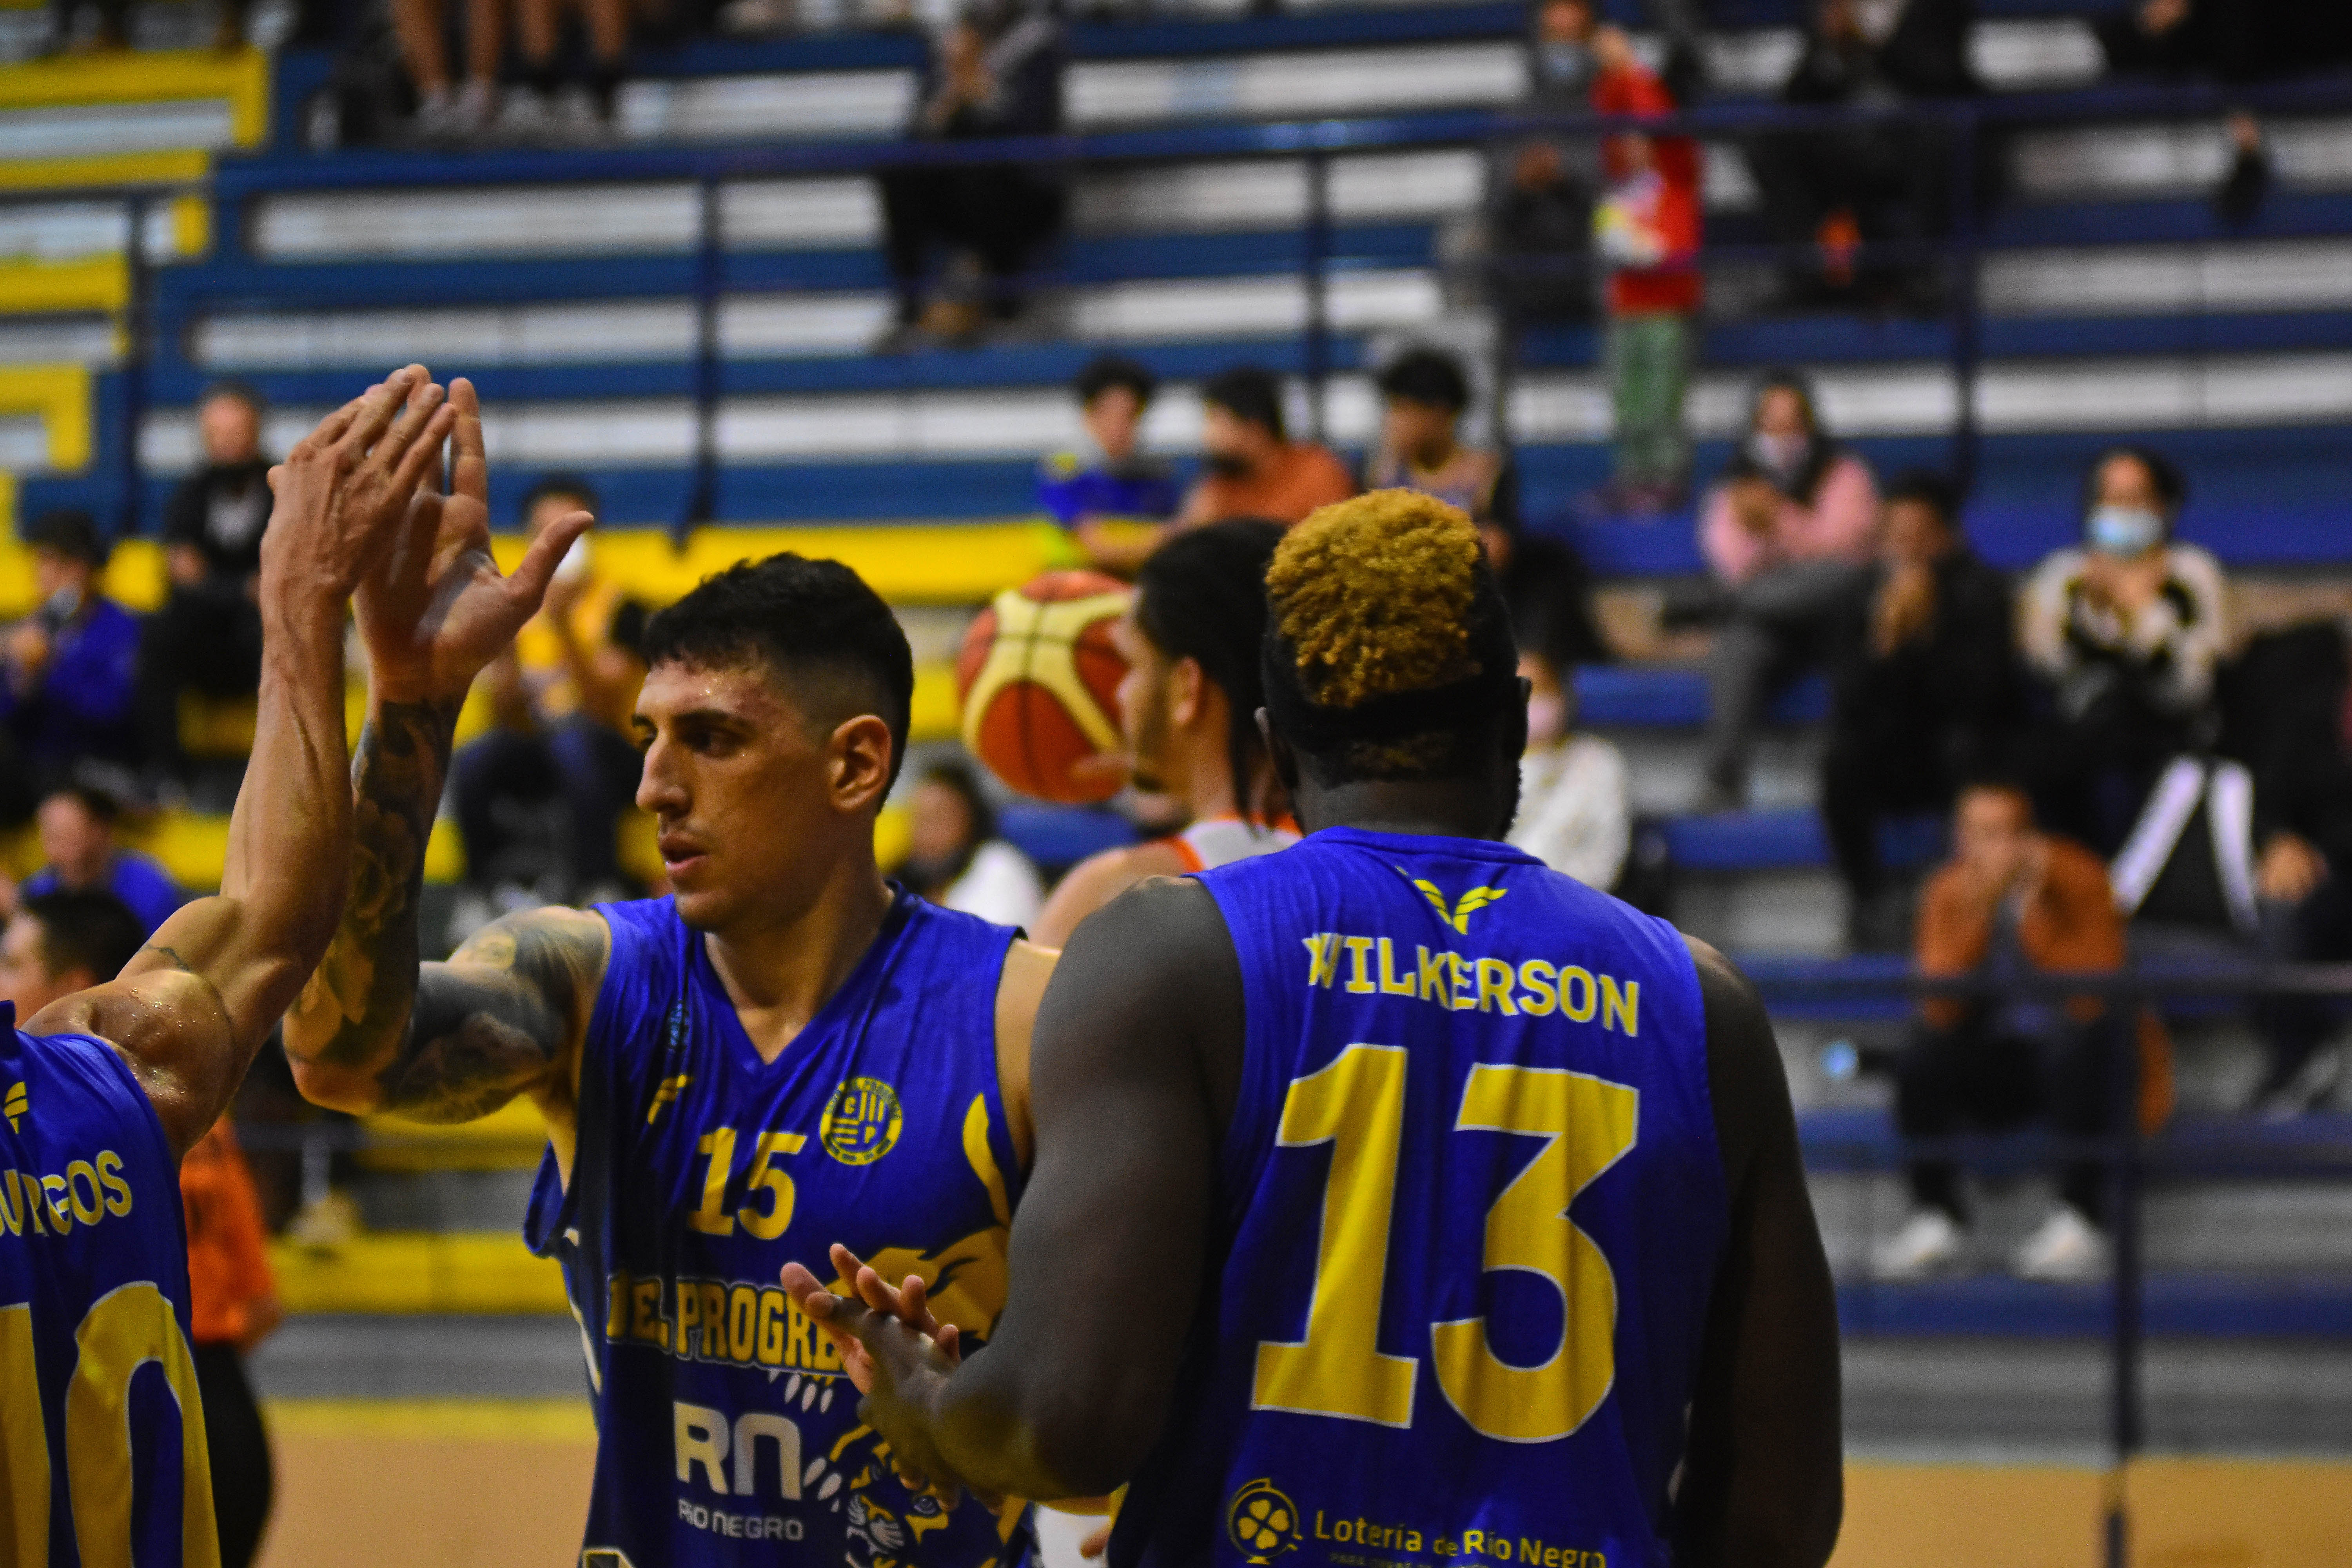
point(786, 1050)
point(1397, 1199)
point(102, 1457)
point(1187, 716)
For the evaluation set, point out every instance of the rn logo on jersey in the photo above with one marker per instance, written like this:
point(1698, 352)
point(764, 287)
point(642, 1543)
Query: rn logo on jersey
point(15, 1107)
point(1262, 1524)
point(861, 1123)
point(1458, 916)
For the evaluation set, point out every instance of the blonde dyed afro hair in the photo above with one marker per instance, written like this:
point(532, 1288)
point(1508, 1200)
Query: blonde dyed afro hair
point(1374, 596)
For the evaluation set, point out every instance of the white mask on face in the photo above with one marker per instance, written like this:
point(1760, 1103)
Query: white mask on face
point(1778, 454)
point(2123, 531)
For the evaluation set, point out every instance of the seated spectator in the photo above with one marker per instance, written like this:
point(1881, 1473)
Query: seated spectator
point(2126, 631)
point(542, 108)
point(60, 943)
point(1836, 189)
point(997, 71)
point(78, 855)
point(1646, 238)
point(1789, 532)
point(2011, 901)
point(1924, 688)
point(1575, 815)
point(1252, 467)
point(954, 857)
point(445, 110)
point(1100, 496)
point(561, 699)
point(1423, 394)
point(207, 636)
point(70, 684)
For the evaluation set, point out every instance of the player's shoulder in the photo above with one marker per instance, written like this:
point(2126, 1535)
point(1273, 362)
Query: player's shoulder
point(1101, 877)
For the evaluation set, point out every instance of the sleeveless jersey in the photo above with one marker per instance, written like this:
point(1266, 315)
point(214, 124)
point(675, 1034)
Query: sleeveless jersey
point(1470, 1205)
point(1221, 840)
point(726, 1432)
point(101, 1431)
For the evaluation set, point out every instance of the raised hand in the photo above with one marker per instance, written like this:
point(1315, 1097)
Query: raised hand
point(437, 609)
point(343, 492)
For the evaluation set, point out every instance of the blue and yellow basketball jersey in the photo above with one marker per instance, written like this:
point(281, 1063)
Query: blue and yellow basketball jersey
point(101, 1431)
point(727, 1431)
point(1470, 1206)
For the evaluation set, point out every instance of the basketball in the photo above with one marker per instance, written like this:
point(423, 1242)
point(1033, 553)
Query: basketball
point(1038, 682)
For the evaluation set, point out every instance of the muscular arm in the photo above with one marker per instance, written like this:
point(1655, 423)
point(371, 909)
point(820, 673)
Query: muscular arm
point(375, 1029)
point(1761, 1482)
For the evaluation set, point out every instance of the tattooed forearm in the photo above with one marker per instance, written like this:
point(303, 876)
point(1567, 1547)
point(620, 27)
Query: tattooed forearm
point(488, 1023)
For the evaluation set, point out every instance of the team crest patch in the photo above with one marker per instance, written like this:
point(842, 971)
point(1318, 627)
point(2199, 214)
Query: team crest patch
point(1262, 1524)
point(18, 1103)
point(861, 1121)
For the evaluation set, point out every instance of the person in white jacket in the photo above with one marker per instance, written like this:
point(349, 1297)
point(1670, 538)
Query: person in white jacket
point(1574, 813)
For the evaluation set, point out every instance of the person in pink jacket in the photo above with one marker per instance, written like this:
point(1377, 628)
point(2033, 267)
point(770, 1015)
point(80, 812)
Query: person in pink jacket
point(1789, 532)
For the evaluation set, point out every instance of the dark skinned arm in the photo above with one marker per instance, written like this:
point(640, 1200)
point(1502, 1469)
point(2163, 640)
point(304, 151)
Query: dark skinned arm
point(191, 1009)
point(1762, 1477)
point(1132, 1071)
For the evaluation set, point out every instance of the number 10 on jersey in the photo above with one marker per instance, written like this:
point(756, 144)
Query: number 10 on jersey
point(1356, 1104)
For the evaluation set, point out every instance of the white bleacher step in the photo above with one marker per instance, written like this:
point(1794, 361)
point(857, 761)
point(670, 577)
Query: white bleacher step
point(2153, 392)
point(59, 231)
point(91, 341)
point(2145, 161)
point(2254, 275)
point(87, 130)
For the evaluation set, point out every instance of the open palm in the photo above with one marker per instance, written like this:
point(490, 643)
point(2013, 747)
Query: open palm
point(437, 609)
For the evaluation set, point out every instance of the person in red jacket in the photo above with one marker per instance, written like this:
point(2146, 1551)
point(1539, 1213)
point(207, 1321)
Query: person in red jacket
point(1646, 232)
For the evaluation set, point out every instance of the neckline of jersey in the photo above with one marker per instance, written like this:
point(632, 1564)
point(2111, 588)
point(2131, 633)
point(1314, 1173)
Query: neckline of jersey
point(862, 980)
point(1425, 844)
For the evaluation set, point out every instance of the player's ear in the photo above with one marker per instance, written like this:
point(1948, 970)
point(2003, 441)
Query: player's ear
point(861, 753)
point(1185, 678)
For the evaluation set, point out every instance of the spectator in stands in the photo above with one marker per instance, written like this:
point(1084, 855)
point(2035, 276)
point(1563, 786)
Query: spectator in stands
point(1252, 467)
point(543, 107)
point(1789, 533)
point(233, 1306)
point(1838, 189)
point(1540, 219)
point(71, 670)
point(59, 941)
point(2011, 901)
point(78, 855)
point(113, 33)
point(1423, 394)
point(997, 71)
point(1924, 688)
point(207, 636)
point(1646, 238)
point(2126, 631)
point(561, 698)
point(445, 109)
point(1101, 495)
point(1575, 815)
point(954, 857)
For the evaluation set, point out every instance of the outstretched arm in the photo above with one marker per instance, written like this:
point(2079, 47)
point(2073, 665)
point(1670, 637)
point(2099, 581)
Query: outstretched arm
point(189, 1012)
point(1762, 1478)
point(1132, 1070)
point(505, 1015)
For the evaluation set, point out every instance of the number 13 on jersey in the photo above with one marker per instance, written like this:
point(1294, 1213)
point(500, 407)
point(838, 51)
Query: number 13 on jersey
point(1356, 1104)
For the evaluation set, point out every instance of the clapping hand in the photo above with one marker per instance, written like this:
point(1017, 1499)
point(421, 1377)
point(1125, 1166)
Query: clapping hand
point(898, 1355)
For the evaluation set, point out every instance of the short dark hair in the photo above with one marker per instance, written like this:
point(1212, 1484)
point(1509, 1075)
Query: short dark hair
point(1106, 371)
point(800, 615)
point(103, 806)
point(1250, 394)
point(570, 486)
point(955, 774)
point(91, 930)
point(1431, 377)
point(1786, 378)
point(1202, 596)
point(2171, 485)
point(1996, 781)
point(243, 391)
point(1926, 487)
point(70, 532)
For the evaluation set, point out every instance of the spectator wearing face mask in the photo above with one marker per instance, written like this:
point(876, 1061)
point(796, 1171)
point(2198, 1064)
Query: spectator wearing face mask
point(1789, 533)
point(71, 669)
point(1250, 466)
point(954, 857)
point(1575, 814)
point(2126, 631)
point(1100, 495)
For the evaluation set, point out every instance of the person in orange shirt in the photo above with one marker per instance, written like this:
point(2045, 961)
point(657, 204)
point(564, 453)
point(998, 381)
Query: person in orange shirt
point(235, 1307)
point(1251, 467)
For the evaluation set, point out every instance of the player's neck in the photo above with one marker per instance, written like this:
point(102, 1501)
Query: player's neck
point(1444, 808)
point(780, 973)
point(1208, 778)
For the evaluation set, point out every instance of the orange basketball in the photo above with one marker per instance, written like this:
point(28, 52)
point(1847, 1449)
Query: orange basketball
point(1038, 679)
